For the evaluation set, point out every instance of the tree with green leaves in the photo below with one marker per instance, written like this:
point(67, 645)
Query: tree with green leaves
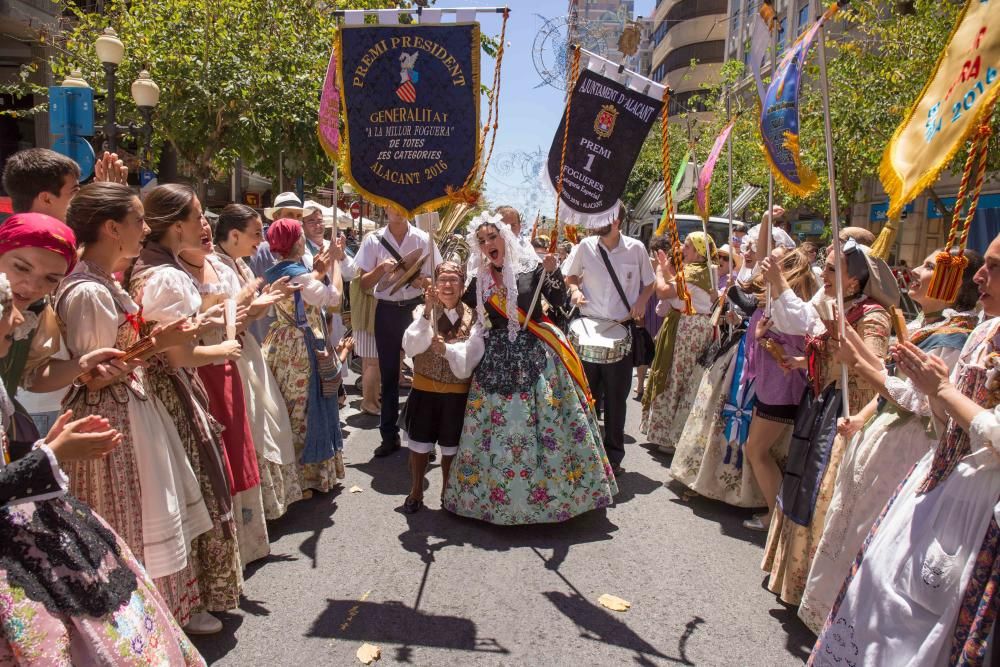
point(239, 78)
point(878, 61)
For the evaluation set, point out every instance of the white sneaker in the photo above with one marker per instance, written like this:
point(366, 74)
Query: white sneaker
point(203, 623)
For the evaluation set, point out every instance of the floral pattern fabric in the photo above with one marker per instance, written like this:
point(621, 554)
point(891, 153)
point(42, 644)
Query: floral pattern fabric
point(287, 357)
point(790, 547)
point(704, 461)
point(663, 421)
point(530, 456)
point(139, 631)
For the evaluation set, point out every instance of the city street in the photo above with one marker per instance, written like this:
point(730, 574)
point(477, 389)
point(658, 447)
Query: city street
point(433, 589)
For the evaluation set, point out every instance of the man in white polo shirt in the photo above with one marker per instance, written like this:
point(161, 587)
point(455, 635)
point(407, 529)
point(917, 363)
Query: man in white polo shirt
point(593, 290)
point(378, 255)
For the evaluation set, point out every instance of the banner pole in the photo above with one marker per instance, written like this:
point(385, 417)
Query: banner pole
point(713, 278)
point(770, 187)
point(838, 254)
point(729, 151)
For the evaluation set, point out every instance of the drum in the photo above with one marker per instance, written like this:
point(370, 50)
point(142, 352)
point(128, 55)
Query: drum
point(599, 341)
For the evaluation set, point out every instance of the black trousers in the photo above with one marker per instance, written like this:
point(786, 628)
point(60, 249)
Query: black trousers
point(391, 321)
point(612, 382)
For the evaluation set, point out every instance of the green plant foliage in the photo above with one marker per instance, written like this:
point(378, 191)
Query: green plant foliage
point(877, 61)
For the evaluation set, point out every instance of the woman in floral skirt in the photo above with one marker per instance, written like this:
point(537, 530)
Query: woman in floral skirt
point(675, 373)
point(308, 373)
point(110, 613)
point(166, 291)
point(237, 235)
point(531, 449)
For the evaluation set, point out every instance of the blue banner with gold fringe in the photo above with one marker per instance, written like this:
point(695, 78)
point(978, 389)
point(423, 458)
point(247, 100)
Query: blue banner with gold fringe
point(411, 102)
point(779, 118)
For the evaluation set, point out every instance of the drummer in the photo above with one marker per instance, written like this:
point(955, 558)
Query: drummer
point(592, 289)
point(382, 260)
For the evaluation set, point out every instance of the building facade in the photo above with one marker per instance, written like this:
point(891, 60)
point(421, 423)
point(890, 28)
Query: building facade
point(689, 46)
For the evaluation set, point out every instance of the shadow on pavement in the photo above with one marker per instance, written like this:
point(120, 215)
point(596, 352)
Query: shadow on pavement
point(632, 484)
point(431, 531)
point(396, 623)
point(306, 516)
point(729, 519)
point(799, 640)
point(599, 625)
point(215, 647)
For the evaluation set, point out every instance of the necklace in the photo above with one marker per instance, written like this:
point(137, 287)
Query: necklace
point(192, 264)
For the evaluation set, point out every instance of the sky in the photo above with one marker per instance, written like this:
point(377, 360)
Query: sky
point(530, 110)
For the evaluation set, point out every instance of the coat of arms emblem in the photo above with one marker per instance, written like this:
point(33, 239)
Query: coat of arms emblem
point(604, 124)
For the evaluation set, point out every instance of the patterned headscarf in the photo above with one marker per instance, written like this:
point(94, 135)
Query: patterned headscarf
point(37, 230)
point(699, 241)
point(283, 234)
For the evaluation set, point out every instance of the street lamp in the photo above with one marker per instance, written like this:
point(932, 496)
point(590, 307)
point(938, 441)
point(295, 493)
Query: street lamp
point(145, 92)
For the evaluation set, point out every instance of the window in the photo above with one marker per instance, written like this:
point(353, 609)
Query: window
point(782, 33)
point(803, 18)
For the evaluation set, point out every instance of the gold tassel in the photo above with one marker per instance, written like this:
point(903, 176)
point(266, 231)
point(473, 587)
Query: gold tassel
point(947, 277)
point(886, 238)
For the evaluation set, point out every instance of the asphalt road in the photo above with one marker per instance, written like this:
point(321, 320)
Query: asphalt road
point(434, 589)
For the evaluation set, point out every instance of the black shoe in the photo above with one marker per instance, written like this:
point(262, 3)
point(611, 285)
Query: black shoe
point(412, 506)
point(432, 457)
point(387, 448)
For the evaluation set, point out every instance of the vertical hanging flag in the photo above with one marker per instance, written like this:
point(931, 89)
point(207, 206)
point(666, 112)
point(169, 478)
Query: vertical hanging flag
point(328, 126)
point(608, 123)
point(951, 106)
point(705, 177)
point(681, 171)
point(779, 118)
point(411, 111)
point(760, 41)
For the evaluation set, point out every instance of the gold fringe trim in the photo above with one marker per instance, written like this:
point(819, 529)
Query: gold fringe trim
point(892, 182)
point(437, 202)
point(886, 238)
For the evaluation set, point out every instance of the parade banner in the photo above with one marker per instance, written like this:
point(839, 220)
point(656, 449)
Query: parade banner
point(779, 118)
point(328, 127)
point(948, 110)
point(608, 124)
point(411, 100)
point(705, 177)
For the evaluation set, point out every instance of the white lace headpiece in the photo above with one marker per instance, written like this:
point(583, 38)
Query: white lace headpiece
point(515, 261)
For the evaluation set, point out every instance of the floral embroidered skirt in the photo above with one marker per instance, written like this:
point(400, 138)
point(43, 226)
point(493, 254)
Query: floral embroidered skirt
point(663, 422)
point(532, 451)
point(790, 548)
point(707, 460)
point(101, 609)
point(287, 357)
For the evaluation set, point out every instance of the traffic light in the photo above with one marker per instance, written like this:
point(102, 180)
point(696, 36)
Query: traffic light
point(71, 119)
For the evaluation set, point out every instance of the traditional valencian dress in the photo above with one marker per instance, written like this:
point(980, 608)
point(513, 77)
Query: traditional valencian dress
point(923, 589)
point(227, 402)
point(875, 462)
point(145, 488)
point(272, 429)
point(166, 292)
point(675, 374)
point(71, 592)
point(814, 459)
point(306, 381)
point(531, 449)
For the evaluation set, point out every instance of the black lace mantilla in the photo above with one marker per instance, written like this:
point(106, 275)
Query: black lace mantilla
point(510, 367)
point(61, 555)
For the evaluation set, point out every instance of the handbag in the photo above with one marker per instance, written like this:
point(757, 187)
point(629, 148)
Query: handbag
point(643, 347)
point(327, 367)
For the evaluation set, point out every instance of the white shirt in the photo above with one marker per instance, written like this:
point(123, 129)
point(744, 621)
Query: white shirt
point(462, 356)
point(796, 317)
point(372, 253)
point(631, 263)
point(701, 301)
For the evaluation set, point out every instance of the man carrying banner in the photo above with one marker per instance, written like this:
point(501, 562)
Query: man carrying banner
point(609, 277)
point(382, 254)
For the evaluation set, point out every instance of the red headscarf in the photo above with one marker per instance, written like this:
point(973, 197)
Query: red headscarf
point(283, 234)
point(37, 230)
